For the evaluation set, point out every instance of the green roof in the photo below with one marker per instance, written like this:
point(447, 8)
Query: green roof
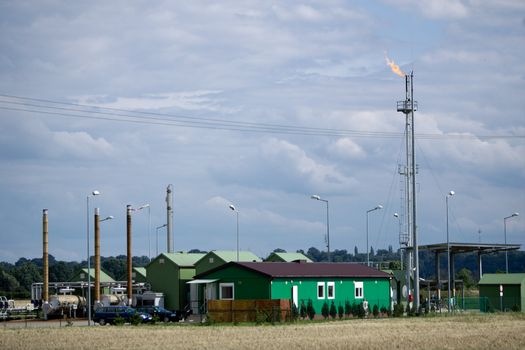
point(104, 277)
point(231, 255)
point(182, 259)
point(502, 278)
point(289, 257)
point(140, 271)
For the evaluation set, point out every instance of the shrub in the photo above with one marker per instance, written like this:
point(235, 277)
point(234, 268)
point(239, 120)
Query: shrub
point(333, 310)
point(310, 309)
point(340, 311)
point(383, 310)
point(375, 310)
point(355, 309)
point(348, 308)
point(398, 310)
point(515, 308)
point(361, 313)
point(119, 321)
point(302, 310)
point(295, 312)
point(135, 319)
point(325, 310)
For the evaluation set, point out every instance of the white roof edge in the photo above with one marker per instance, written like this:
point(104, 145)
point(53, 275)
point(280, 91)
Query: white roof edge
point(201, 281)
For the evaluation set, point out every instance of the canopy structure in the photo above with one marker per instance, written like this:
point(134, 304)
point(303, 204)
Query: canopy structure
point(461, 248)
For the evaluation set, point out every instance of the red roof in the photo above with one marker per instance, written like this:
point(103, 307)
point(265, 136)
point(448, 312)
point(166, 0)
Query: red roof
point(303, 269)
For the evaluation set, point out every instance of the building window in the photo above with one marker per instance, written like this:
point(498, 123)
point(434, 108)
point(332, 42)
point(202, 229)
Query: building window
point(161, 261)
point(82, 276)
point(330, 286)
point(226, 291)
point(211, 259)
point(320, 290)
point(358, 290)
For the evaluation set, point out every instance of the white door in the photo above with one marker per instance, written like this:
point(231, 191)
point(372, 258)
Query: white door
point(295, 296)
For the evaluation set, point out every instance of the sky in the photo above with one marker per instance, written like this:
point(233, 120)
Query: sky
point(259, 104)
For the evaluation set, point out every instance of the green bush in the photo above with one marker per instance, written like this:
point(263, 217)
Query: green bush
point(348, 308)
point(340, 311)
point(295, 312)
point(375, 310)
point(325, 310)
point(302, 310)
point(310, 309)
point(515, 308)
point(135, 319)
point(119, 321)
point(398, 310)
point(333, 310)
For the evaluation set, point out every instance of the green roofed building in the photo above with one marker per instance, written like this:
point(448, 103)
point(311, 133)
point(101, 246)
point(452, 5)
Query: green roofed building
point(287, 257)
point(168, 274)
point(82, 276)
point(217, 258)
point(510, 285)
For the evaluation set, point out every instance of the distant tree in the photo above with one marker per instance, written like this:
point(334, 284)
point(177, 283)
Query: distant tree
point(371, 251)
point(279, 250)
point(8, 282)
point(333, 310)
point(467, 277)
point(314, 254)
point(390, 250)
point(356, 252)
point(197, 251)
point(325, 310)
point(394, 265)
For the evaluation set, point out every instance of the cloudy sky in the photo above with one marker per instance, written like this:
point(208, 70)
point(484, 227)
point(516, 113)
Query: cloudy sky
point(259, 104)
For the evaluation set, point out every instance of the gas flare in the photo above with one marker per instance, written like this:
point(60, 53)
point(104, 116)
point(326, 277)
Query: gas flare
point(395, 68)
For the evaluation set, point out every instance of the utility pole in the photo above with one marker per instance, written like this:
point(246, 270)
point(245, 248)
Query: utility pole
point(129, 256)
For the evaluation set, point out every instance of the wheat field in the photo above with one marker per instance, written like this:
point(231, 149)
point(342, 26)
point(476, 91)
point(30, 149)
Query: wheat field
point(505, 331)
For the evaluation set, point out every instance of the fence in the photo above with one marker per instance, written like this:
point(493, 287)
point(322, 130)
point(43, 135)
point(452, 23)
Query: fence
point(277, 310)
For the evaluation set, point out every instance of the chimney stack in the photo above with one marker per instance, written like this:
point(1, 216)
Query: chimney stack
point(97, 255)
point(130, 257)
point(45, 258)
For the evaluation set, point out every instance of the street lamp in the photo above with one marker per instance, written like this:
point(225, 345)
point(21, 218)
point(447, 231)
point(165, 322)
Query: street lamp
point(232, 207)
point(157, 236)
point(505, 233)
point(367, 246)
point(316, 197)
point(450, 194)
point(94, 193)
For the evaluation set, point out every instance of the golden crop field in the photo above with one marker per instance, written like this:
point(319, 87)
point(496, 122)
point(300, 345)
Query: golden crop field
point(506, 331)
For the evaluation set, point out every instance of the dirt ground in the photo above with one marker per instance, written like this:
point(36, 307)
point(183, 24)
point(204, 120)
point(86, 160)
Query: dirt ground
point(479, 331)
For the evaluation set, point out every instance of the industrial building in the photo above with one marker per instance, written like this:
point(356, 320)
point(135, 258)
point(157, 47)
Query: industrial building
point(298, 281)
point(216, 258)
point(168, 274)
point(503, 291)
point(287, 257)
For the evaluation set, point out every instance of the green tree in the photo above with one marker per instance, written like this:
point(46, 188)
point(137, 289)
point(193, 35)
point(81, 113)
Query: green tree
point(375, 310)
point(467, 277)
point(324, 310)
point(340, 311)
point(302, 310)
point(333, 310)
point(348, 308)
point(8, 282)
point(310, 309)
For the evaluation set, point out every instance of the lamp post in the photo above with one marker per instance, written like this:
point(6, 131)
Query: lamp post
point(450, 194)
point(316, 197)
point(505, 234)
point(94, 193)
point(232, 207)
point(97, 253)
point(367, 246)
point(157, 237)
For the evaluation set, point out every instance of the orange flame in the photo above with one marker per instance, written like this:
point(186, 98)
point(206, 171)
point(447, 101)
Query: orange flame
point(395, 68)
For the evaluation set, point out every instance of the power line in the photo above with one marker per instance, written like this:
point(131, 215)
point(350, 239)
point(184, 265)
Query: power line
point(73, 110)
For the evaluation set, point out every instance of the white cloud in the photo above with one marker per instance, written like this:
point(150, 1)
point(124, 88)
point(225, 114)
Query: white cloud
point(440, 9)
point(81, 145)
point(347, 148)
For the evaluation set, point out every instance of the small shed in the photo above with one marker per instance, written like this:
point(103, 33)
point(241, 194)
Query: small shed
point(503, 291)
point(287, 257)
point(298, 281)
point(168, 274)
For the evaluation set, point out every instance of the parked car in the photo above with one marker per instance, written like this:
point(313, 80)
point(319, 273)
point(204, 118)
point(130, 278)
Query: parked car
point(108, 314)
point(160, 312)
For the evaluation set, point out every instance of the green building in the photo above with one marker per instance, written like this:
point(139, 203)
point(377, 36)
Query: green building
point(138, 275)
point(287, 257)
point(503, 291)
point(82, 276)
point(216, 258)
point(298, 281)
point(168, 274)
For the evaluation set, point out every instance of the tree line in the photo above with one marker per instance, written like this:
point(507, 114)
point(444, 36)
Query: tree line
point(16, 279)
